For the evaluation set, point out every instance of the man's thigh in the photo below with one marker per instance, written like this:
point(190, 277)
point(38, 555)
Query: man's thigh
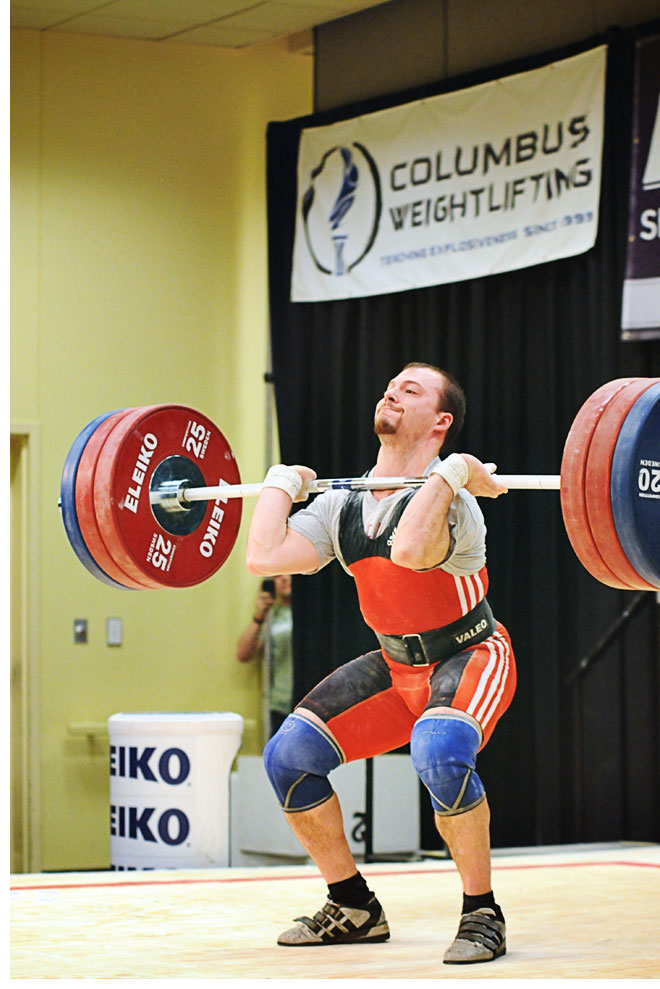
point(361, 709)
point(479, 681)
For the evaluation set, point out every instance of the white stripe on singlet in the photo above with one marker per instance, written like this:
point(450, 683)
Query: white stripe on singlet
point(470, 590)
point(480, 587)
point(460, 590)
point(493, 680)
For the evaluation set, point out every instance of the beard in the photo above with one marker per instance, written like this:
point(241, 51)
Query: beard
point(384, 426)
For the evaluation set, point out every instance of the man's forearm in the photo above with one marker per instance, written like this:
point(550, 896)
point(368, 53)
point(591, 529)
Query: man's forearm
point(422, 535)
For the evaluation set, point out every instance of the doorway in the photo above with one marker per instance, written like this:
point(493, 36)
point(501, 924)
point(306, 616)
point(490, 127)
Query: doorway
point(23, 549)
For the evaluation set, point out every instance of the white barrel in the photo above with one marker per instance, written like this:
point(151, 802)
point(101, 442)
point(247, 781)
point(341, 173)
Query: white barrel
point(169, 789)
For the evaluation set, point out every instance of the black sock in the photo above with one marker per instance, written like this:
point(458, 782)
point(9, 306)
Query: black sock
point(471, 903)
point(352, 892)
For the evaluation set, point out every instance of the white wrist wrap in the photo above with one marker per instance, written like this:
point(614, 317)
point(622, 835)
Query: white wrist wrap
point(454, 470)
point(285, 478)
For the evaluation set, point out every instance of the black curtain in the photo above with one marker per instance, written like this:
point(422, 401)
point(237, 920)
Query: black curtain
point(573, 759)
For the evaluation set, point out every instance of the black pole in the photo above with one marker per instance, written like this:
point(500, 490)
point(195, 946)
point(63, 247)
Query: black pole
point(615, 628)
point(369, 810)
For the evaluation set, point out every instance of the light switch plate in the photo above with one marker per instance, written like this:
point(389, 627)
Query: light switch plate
point(113, 631)
point(80, 630)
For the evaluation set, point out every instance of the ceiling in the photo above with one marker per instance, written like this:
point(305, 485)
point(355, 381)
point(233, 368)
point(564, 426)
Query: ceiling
point(219, 23)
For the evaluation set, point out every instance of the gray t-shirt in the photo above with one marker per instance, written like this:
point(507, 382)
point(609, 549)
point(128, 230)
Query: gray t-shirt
point(319, 522)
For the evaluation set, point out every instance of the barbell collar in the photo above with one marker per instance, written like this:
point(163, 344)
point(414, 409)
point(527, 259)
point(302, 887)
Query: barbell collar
point(169, 495)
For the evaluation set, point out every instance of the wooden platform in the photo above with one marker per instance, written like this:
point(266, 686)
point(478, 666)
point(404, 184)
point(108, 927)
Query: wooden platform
point(576, 913)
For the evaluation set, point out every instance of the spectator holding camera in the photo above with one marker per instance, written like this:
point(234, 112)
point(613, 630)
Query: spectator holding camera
point(268, 637)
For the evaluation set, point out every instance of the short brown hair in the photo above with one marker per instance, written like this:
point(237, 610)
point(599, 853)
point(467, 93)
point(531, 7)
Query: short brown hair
point(452, 399)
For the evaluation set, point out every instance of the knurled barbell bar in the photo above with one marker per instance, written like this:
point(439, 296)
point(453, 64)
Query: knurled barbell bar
point(139, 510)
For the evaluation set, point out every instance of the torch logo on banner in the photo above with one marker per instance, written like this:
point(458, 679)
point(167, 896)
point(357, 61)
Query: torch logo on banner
point(341, 209)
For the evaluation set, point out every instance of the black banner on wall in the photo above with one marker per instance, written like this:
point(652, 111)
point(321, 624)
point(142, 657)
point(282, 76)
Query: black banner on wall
point(640, 312)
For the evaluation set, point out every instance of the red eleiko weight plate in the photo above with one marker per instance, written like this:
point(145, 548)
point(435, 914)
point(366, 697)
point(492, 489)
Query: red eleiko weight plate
point(133, 450)
point(598, 476)
point(573, 470)
point(85, 510)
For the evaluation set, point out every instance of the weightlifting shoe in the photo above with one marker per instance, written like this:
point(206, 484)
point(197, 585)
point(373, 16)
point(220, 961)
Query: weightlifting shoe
point(481, 937)
point(336, 924)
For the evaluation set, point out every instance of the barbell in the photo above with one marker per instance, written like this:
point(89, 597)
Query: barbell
point(151, 497)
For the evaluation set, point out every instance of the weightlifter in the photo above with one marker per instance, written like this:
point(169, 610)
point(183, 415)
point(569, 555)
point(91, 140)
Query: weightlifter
point(443, 677)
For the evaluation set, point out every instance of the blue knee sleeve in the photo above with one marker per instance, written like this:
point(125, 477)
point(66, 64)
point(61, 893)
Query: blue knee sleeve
point(298, 759)
point(443, 751)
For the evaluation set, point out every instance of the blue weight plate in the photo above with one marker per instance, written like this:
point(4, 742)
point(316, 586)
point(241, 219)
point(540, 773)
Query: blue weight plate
point(635, 485)
point(68, 503)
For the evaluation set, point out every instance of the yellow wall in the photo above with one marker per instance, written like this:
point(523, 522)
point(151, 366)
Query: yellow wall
point(138, 277)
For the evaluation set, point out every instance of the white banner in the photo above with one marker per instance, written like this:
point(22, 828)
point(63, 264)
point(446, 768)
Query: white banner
point(640, 309)
point(484, 180)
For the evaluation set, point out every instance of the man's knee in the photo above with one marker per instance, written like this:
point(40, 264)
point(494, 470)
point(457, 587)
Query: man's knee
point(297, 760)
point(443, 749)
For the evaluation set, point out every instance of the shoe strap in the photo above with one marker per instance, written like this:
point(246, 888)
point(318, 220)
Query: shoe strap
point(481, 928)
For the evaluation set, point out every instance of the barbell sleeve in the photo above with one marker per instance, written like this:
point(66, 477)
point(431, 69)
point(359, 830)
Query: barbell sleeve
point(531, 482)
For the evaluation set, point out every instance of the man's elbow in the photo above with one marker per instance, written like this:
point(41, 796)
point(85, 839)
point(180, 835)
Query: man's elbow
point(256, 564)
point(409, 557)
point(414, 556)
point(263, 564)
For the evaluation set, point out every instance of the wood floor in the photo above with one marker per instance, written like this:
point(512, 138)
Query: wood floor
point(577, 913)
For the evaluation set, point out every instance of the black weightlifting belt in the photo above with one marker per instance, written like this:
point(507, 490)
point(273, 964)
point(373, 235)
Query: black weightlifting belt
point(439, 643)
